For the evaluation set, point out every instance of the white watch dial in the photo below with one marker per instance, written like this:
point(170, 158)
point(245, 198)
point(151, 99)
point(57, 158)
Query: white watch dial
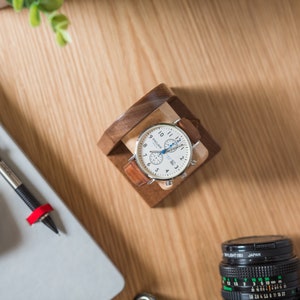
point(163, 151)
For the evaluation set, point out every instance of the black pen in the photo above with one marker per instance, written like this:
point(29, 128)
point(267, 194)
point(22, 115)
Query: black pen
point(40, 212)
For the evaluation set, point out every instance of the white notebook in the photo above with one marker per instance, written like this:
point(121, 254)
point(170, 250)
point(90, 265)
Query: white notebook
point(36, 263)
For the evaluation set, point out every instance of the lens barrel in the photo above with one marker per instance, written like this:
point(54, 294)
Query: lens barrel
point(260, 267)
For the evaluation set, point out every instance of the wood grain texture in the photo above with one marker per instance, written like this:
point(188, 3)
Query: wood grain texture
point(235, 63)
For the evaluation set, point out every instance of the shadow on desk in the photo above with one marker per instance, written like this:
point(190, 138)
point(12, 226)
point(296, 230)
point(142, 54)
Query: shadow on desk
point(254, 127)
point(10, 236)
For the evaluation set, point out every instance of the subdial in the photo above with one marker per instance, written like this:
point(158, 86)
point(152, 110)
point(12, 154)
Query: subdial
point(170, 145)
point(156, 158)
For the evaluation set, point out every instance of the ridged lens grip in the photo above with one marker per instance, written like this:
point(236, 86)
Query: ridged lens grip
point(262, 270)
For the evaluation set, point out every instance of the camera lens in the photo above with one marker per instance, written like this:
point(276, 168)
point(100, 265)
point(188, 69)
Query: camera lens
point(260, 267)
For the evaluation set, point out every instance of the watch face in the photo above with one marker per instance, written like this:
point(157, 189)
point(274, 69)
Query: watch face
point(163, 151)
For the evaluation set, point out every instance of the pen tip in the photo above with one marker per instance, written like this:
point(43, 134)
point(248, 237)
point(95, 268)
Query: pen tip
point(55, 230)
point(49, 222)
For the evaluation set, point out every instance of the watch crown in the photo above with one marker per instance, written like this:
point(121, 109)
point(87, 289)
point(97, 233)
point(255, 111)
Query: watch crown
point(169, 183)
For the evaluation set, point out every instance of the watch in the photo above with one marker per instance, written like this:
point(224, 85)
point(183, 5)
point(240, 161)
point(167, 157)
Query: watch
point(163, 152)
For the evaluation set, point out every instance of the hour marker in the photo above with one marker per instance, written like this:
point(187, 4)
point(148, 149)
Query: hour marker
point(165, 145)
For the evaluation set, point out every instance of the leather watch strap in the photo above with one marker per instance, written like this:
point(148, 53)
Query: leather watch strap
point(135, 174)
point(192, 132)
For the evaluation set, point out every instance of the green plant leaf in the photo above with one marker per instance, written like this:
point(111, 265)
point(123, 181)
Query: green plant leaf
point(17, 5)
point(66, 36)
point(28, 3)
point(34, 15)
point(59, 21)
point(50, 5)
point(60, 39)
point(59, 24)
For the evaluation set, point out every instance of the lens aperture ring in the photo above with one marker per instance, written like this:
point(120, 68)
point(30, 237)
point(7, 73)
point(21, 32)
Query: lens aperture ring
point(290, 294)
point(260, 270)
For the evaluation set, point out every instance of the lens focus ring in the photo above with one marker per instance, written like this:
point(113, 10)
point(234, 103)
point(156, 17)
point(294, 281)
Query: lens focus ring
point(260, 270)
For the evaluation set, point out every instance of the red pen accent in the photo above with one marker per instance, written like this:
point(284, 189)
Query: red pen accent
point(38, 213)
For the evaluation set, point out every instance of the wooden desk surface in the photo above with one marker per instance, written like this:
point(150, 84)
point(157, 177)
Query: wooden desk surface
point(234, 63)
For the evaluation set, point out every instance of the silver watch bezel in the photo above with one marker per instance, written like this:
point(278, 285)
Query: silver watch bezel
point(143, 170)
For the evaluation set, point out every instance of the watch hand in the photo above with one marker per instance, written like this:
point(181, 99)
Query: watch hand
point(170, 148)
point(161, 151)
point(174, 148)
point(166, 149)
